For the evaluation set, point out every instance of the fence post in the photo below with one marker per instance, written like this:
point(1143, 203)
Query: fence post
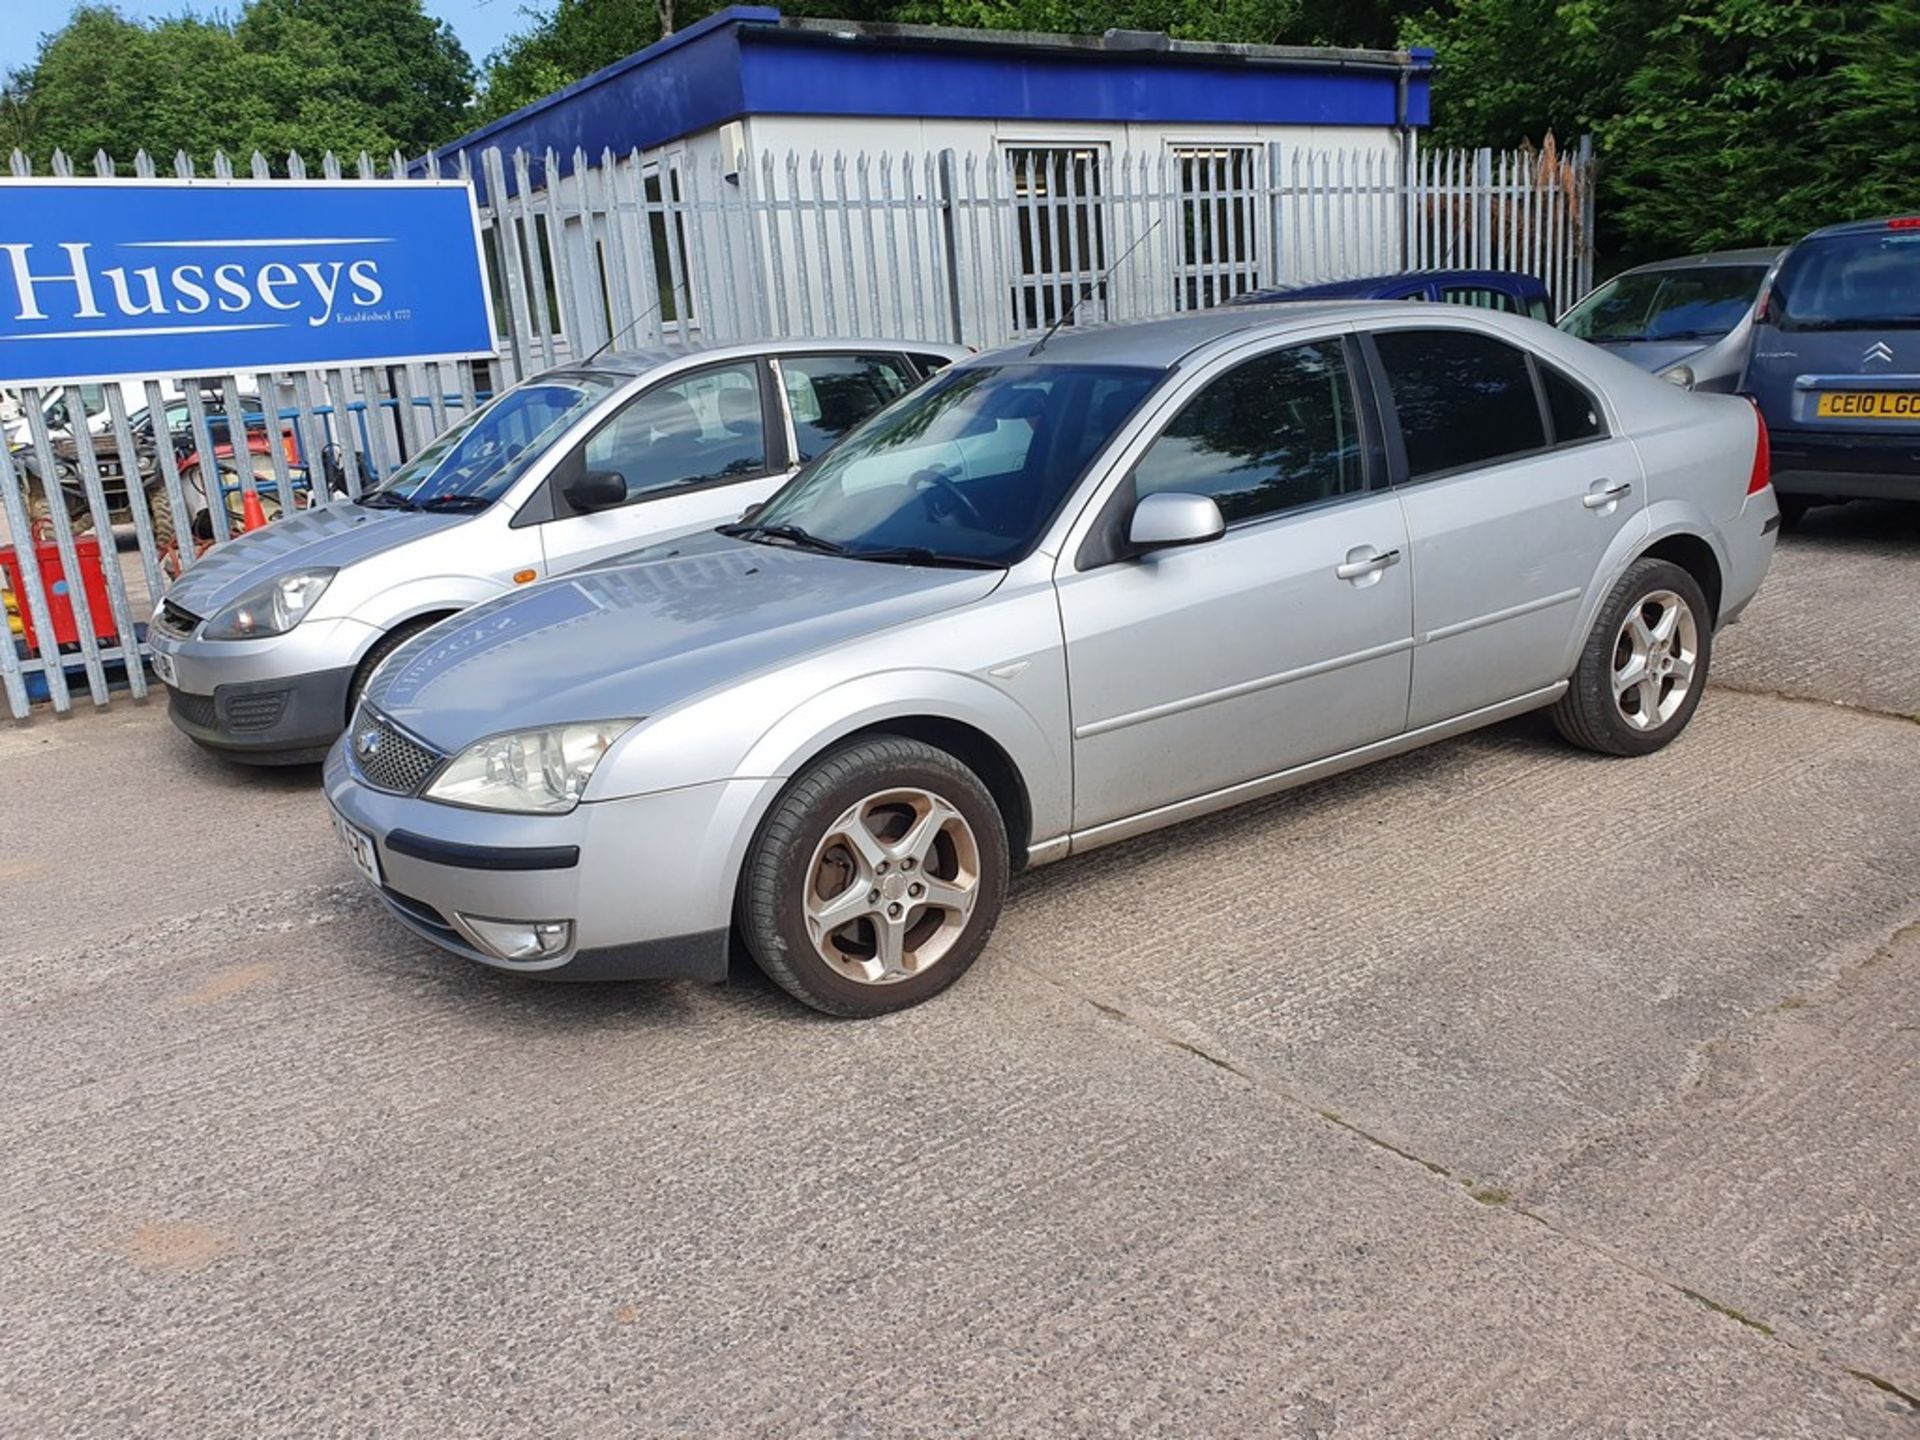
point(949, 243)
point(1483, 208)
point(1584, 172)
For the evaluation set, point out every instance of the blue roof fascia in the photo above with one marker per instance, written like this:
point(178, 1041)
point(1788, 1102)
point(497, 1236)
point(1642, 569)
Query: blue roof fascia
point(697, 87)
point(792, 72)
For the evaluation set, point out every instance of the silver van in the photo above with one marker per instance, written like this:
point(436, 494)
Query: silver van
point(266, 643)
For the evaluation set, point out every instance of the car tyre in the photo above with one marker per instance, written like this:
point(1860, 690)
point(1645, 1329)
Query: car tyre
point(1644, 666)
point(382, 648)
point(876, 879)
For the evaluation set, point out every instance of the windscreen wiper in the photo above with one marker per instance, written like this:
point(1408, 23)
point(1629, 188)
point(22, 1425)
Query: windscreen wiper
point(387, 500)
point(921, 555)
point(792, 534)
point(455, 502)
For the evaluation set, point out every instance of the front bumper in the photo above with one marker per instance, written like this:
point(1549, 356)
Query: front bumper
point(277, 701)
point(277, 722)
point(1849, 466)
point(646, 881)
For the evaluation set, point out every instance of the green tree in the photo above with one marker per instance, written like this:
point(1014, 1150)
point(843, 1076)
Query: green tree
point(1754, 121)
point(374, 75)
point(388, 63)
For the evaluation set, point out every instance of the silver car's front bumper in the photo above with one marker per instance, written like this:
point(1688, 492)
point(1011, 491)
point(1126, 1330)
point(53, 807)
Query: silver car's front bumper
point(278, 700)
point(646, 882)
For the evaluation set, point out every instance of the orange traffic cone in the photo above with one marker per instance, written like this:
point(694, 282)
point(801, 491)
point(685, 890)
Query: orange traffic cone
point(253, 515)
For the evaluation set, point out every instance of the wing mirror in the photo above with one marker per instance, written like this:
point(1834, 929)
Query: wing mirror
point(1161, 522)
point(596, 490)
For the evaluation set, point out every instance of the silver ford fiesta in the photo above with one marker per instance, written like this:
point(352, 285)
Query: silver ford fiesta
point(1064, 594)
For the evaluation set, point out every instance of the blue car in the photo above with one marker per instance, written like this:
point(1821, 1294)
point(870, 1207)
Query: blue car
point(1835, 365)
point(1506, 290)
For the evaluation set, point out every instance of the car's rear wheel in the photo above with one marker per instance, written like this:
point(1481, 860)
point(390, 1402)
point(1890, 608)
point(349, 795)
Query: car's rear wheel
point(876, 880)
point(1644, 665)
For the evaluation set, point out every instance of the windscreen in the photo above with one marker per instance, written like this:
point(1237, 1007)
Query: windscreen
point(1697, 303)
point(970, 468)
point(476, 462)
point(1865, 280)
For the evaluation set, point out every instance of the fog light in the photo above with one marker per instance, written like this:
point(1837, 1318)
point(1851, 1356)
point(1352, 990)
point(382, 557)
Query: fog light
point(520, 939)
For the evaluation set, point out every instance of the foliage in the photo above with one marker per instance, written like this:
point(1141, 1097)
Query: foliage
point(311, 75)
point(1751, 122)
point(1720, 122)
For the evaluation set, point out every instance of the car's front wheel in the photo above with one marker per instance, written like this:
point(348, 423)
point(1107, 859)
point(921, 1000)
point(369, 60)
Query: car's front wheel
point(877, 878)
point(1644, 665)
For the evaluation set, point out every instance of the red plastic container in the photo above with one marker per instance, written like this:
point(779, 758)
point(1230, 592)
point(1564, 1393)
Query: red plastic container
point(53, 575)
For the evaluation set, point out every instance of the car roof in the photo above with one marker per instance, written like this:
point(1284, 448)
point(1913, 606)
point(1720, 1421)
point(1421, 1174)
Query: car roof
point(1864, 227)
point(1753, 255)
point(1161, 344)
point(645, 361)
point(1360, 287)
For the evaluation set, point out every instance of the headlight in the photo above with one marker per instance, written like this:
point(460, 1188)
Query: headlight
point(1681, 375)
point(538, 771)
point(273, 608)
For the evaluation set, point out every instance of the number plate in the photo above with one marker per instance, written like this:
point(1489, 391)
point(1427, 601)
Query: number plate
point(163, 667)
point(360, 849)
point(1869, 405)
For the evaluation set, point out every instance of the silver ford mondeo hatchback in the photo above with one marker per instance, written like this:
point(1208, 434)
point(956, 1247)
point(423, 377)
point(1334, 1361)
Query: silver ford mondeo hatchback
point(1063, 594)
point(265, 644)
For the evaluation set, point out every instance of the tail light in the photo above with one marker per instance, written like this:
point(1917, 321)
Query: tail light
point(1762, 454)
point(1763, 312)
point(1904, 222)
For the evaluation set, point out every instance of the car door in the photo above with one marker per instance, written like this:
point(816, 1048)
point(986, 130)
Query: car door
point(1283, 641)
point(694, 451)
point(1515, 489)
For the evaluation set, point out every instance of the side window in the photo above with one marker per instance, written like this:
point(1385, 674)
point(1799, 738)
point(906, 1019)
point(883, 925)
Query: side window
point(1575, 413)
point(93, 398)
point(930, 365)
point(830, 394)
point(1481, 297)
point(708, 427)
point(1462, 398)
point(1271, 434)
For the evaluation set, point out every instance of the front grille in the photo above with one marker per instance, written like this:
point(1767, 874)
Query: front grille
point(259, 711)
point(195, 710)
point(176, 621)
point(386, 757)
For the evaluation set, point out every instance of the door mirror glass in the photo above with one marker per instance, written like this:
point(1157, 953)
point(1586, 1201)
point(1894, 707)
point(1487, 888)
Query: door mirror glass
point(1169, 519)
point(596, 490)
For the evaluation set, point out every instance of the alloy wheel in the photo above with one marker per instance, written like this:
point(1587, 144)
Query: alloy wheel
point(1654, 659)
point(892, 885)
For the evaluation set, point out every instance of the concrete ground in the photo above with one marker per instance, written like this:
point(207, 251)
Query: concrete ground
point(1495, 1090)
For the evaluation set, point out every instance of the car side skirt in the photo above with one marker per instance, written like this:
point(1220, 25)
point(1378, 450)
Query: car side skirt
point(1114, 831)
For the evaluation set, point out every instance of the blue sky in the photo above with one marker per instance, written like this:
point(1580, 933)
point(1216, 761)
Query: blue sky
point(480, 24)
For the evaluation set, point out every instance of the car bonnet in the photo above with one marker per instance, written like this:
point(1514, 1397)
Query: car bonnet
point(330, 537)
point(634, 638)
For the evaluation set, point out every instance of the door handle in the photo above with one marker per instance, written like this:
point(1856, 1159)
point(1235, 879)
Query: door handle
point(1361, 565)
point(1603, 494)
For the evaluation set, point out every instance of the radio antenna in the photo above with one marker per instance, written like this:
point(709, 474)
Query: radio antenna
point(678, 288)
point(1100, 284)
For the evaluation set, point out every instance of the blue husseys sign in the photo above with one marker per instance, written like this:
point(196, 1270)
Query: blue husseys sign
point(116, 279)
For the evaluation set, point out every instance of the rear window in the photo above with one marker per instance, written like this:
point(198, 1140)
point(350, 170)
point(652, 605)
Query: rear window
point(1462, 398)
point(1867, 280)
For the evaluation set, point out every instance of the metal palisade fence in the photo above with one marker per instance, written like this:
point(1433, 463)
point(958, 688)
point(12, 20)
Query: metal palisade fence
point(108, 490)
point(984, 248)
